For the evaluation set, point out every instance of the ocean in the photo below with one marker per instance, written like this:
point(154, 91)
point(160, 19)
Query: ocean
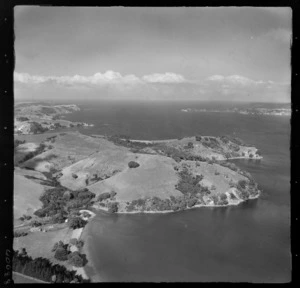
point(245, 243)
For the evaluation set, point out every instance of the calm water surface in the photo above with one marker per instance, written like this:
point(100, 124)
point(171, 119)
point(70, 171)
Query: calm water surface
point(249, 242)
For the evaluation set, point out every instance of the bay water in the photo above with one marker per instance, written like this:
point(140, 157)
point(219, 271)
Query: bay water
point(245, 243)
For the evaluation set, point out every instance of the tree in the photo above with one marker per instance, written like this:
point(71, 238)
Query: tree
point(23, 252)
point(36, 128)
point(198, 138)
point(61, 254)
point(191, 202)
point(242, 184)
point(190, 145)
point(76, 222)
point(113, 207)
point(58, 244)
point(112, 194)
point(79, 244)
point(75, 259)
point(103, 196)
point(133, 164)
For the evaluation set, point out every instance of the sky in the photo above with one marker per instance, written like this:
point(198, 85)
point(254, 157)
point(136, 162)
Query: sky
point(222, 53)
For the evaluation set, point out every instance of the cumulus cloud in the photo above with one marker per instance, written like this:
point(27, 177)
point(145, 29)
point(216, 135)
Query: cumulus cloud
point(96, 79)
point(235, 80)
point(109, 77)
point(164, 78)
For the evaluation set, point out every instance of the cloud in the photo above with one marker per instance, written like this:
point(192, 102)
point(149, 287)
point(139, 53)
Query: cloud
point(164, 78)
point(109, 77)
point(235, 80)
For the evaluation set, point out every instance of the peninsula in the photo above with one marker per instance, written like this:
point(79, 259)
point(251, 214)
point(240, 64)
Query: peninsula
point(58, 175)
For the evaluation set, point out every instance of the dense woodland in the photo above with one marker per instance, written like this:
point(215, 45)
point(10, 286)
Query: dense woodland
point(43, 269)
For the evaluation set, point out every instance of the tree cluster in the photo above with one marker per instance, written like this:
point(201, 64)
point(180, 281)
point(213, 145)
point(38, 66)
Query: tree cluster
point(133, 164)
point(22, 119)
point(37, 128)
point(20, 233)
point(43, 269)
point(18, 142)
point(189, 184)
point(113, 207)
point(76, 222)
point(40, 149)
point(58, 201)
point(211, 142)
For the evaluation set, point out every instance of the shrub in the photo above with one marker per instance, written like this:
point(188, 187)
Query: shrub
point(112, 194)
point(133, 164)
point(20, 233)
point(232, 196)
point(79, 244)
point(58, 244)
point(215, 199)
point(37, 128)
point(141, 202)
point(190, 145)
point(191, 202)
point(112, 207)
point(27, 217)
point(242, 184)
point(59, 218)
point(61, 254)
point(217, 173)
point(243, 194)
point(40, 213)
point(18, 142)
point(227, 155)
point(75, 259)
point(251, 155)
point(103, 196)
point(198, 138)
point(36, 223)
point(22, 119)
point(76, 222)
point(85, 194)
point(224, 139)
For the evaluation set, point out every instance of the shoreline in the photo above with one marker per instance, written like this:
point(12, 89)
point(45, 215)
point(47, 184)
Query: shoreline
point(232, 203)
point(85, 235)
point(79, 235)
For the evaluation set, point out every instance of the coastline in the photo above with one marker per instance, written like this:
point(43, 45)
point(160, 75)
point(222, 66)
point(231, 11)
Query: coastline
point(232, 203)
point(81, 234)
point(86, 235)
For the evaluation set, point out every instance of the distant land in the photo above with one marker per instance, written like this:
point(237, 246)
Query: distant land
point(34, 118)
point(248, 111)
